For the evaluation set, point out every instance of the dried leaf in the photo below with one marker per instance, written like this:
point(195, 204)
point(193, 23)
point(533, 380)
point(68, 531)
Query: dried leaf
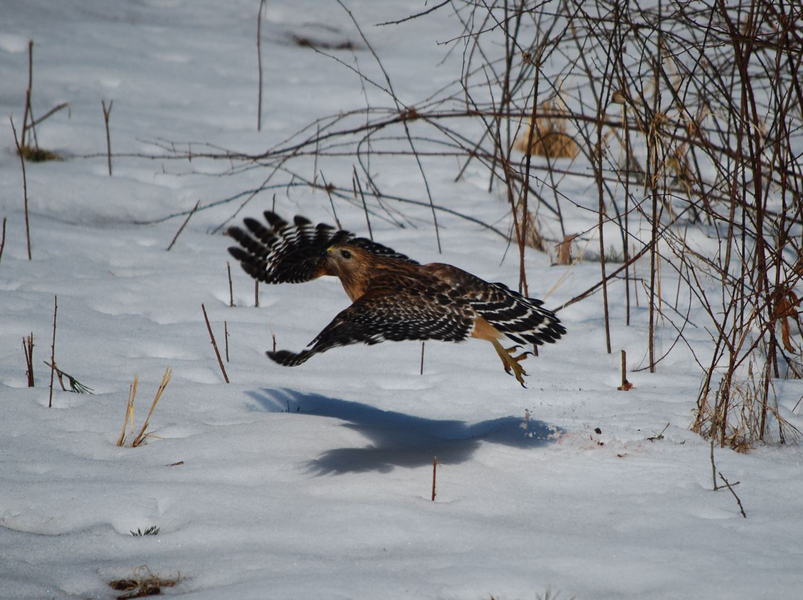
point(786, 308)
point(565, 250)
point(786, 336)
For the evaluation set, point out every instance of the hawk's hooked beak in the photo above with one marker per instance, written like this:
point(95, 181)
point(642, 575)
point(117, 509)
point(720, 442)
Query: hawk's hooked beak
point(329, 249)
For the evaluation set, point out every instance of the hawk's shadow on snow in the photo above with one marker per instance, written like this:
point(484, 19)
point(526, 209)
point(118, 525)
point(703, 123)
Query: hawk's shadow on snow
point(398, 439)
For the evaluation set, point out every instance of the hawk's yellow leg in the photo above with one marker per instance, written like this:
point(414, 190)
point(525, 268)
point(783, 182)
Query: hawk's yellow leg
point(511, 362)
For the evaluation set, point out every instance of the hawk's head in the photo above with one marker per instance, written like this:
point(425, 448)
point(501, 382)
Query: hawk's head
point(353, 265)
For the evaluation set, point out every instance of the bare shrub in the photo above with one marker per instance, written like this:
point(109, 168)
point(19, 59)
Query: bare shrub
point(739, 415)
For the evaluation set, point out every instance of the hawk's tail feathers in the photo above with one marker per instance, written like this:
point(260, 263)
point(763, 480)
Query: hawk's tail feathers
point(523, 320)
point(540, 327)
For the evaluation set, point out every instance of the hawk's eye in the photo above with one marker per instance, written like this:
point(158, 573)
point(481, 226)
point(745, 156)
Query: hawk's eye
point(345, 254)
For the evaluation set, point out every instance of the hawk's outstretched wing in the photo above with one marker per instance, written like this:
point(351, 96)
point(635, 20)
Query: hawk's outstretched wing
point(280, 252)
point(391, 312)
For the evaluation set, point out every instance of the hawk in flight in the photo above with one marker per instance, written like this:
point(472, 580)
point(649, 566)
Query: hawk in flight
point(393, 297)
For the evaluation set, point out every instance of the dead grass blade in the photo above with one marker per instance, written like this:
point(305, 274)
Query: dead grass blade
point(549, 138)
point(129, 411)
point(142, 432)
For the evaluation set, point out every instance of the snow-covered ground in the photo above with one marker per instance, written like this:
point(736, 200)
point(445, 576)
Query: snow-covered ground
point(315, 481)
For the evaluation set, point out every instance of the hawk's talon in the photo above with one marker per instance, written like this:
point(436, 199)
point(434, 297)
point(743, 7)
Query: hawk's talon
point(521, 356)
point(511, 362)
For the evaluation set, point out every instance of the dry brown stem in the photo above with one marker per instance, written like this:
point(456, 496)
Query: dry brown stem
point(184, 224)
point(28, 109)
point(626, 385)
point(421, 369)
point(27, 349)
point(226, 338)
point(53, 350)
point(214, 345)
point(3, 239)
point(434, 475)
point(24, 186)
point(231, 288)
point(259, 63)
point(106, 114)
point(732, 491)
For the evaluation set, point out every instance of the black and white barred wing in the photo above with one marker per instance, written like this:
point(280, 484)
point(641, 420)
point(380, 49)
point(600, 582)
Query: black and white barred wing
point(389, 314)
point(281, 252)
point(278, 252)
point(523, 320)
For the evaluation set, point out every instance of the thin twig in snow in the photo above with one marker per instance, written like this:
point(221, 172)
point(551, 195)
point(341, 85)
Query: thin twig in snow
point(214, 345)
point(730, 488)
point(231, 288)
point(27, 348)
point(3, 240)
point(434, 475)
point(183, 225)
point(355, 180)
point(106, 114)
point(24, 185)
point(53, 350)
point(421, 370)
point(226, 338)
point(28, 93)
point(259, 62)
